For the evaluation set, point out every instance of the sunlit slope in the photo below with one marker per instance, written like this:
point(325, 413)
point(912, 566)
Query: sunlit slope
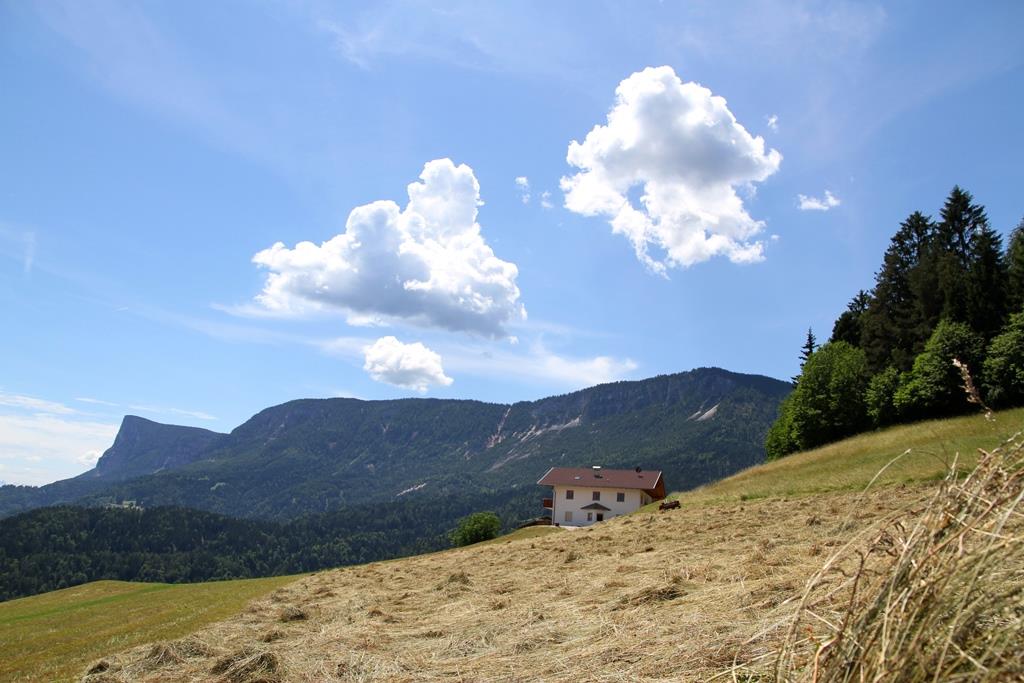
point(853, 463)
point(55, 635)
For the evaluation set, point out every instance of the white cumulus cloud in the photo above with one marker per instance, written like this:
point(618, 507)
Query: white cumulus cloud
point(427, 264)
point(523, 185)
point(829, 201)
point(411, 366)
point(688, 155)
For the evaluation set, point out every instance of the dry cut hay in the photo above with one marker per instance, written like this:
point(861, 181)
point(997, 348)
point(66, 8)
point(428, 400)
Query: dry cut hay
point(248, 665)
point(934, 596)
point(646, 598)
point(160, 655)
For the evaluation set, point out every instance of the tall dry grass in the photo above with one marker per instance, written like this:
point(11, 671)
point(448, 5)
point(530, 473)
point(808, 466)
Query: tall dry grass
point(935, 595)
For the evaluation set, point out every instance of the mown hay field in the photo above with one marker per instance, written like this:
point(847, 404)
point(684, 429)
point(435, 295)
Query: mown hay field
point(656, 597)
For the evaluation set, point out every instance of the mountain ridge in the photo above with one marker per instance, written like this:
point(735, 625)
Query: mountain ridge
point(316, 455)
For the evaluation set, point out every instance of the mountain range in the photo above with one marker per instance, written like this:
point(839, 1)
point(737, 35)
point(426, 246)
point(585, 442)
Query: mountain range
point(322, 455)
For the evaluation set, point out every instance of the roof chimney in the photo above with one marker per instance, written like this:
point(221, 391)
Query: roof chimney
point(595, 467)
point(597, 471)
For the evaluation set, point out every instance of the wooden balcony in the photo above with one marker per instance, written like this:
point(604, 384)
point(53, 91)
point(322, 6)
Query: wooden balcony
point(547, 503)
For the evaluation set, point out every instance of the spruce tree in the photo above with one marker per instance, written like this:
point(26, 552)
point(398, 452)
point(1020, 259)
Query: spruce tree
point(1015, 270)
point(809, 347)
point(986, 285)
point(953, 252)
point(894, 328)
point(849, 325)
point(806, 351)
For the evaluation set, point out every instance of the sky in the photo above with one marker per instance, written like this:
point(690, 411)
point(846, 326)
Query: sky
point(211, 208)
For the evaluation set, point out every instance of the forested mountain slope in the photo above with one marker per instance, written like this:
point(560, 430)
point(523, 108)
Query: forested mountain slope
point(316, 455)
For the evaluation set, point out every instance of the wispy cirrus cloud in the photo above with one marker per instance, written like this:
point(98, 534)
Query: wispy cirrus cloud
point(34, 404)
point(19, 243)
point(42, 440)
point(147, 408)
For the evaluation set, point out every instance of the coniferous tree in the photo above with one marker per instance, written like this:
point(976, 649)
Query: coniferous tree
point(806, 351)
point(986, 285)
point(1015, 270)
point(809, 347)
point(849, 325)
point(953, 252)
point(893, 326)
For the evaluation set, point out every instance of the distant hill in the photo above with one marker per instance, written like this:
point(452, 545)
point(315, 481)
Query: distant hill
point(141, 447)
point(316, 455)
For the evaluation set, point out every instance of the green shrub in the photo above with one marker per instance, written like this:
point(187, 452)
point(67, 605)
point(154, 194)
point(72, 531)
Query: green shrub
point(880, 395)
point(828, 401)
point(479, 526)
point(933, 387)
point(781, 438)
point(1004, 366)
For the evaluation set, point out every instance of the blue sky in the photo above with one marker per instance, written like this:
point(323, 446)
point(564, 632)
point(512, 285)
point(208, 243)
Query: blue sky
point(153, 154)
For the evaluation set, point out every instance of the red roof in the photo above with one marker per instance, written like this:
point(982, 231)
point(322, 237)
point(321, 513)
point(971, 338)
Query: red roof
point(649, 481)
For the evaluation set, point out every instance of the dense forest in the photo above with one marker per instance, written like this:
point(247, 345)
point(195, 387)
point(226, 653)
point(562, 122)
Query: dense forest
point(58, 547)
point(941, 331)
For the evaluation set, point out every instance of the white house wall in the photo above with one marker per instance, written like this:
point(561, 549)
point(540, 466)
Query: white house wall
point(583, 496)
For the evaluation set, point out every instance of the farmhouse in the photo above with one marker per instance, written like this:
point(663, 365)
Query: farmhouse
point(582, 495)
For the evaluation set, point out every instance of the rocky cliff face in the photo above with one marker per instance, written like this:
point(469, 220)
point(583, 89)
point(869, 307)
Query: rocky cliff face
point(145, 447)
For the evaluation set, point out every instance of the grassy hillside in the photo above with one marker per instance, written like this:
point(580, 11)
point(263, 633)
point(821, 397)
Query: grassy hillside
point(851, 464)
point(653, 596)
point(53, 636)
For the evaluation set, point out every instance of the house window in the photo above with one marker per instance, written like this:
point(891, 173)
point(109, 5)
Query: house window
point(590, 516)
point(620, 497)
point(569, 493)
point(568, 515)
point(597, 495)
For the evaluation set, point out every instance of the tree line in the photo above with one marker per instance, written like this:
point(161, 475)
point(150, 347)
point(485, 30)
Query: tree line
point(946, 291)
point(58, 547)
